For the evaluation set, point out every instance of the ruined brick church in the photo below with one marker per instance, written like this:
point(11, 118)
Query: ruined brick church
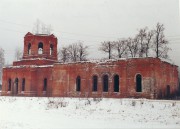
point(39, 73)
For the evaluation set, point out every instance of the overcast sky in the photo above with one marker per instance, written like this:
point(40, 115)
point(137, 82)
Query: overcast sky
point(91, 21)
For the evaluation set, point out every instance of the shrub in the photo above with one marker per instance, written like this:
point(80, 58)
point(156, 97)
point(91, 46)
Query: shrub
point(133, 103)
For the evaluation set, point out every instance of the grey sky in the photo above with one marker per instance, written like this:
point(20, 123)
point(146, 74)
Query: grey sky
point(91, 21)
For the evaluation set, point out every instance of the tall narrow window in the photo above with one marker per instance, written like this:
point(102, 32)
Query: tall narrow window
point(40, 48)
point(138, 83)
point(95, 83)
point(78, 83)
point(45, 84)
point(51, 49)
point(29, 49)
point(23, 84)
point(168, 91)
point(16, 86)
point(9, 84)
point(105, 83)
point(116, 83)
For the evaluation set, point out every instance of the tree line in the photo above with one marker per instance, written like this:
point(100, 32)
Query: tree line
point(146, 43)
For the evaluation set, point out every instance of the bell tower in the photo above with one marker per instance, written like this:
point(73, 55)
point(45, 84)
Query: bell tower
point(39, 49)
point(41, 46)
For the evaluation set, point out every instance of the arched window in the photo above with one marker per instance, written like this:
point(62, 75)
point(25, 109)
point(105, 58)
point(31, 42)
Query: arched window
point(23, 84)
point(105, 83)
point(138, 83)
point(16, 86)
point(45, 84)
point(40, 48)
point(78, 83)
point(95, 83)
point(29, 48)
point(9, 84)
point(116, 83)
point(51, 49)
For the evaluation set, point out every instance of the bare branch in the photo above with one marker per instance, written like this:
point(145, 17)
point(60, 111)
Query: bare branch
point(107, 47)
point(121, 47)
point(64, 54)
point(160, 43)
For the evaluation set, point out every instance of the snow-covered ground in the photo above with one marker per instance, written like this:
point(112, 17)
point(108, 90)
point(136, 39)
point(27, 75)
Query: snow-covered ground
point(60, 113)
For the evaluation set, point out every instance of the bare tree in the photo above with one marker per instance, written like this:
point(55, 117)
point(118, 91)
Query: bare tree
point(82, 52)
point(77, 52)
point(64, 54)
point(36, 28)
point(41, 28)
point(121, 47)
point(160, 42)
point(140, 38)
point(144, 39)
point(18, 54)
point(107, 47)
point(148, 42)
point(73, 52)
point(132, 45)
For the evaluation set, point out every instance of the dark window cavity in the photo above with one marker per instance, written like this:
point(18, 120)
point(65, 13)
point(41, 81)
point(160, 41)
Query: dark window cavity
point(138, 83)
point(168, 91)
point(95, 83)
point(45, 84)
point(29, 49)
point(105, 83)
point(116, 83)
point(23, 84)
point(16, 86)
point(78, 83)
point(9, 84)
point(40, 48)
point(51, 49)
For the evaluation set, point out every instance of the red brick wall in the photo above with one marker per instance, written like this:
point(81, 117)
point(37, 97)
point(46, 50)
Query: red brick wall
point(150, 69)
point(61, 78)
point(34, 77)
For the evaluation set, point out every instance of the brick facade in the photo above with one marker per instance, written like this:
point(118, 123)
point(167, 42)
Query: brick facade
point(40, 74)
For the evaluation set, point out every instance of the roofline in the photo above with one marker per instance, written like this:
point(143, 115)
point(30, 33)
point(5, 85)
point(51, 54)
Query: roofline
point(113, 60)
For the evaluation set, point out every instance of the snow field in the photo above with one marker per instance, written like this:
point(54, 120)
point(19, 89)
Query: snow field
point(60, 113)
